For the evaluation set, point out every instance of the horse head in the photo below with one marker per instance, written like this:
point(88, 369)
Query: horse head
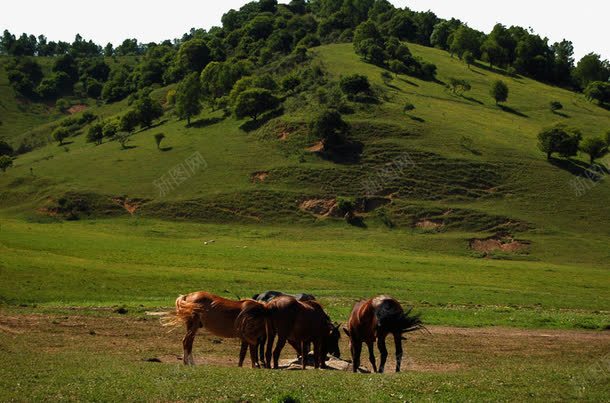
point(331, 341)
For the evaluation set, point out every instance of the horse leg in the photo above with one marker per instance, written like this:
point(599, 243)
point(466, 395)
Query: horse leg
point(398, 344)
point(304, 353)
point(356, 351)
point(261, 346)
point(281, 342)
point(383, 351)
point(242, 353)
point(187, 342)
point(270, 338)
point(317, 353)
point(253, 356)
point(370, 346)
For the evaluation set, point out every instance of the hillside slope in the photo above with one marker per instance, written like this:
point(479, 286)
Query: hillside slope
point(470, 165)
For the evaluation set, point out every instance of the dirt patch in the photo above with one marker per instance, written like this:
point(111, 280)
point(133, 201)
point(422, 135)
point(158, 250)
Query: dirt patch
point(500, 243)
point(316, 148)
point(259, 176)
point(320, 207)
point(283, 136)
point(77, 108)
point(428, 225)
point(130, 205)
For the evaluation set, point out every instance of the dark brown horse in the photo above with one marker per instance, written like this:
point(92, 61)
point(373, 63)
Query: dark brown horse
point(372, 320)
point(300, 323)
point(218, 315)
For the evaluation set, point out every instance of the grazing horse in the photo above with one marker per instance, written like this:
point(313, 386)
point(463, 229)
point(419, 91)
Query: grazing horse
point(300, 323)
point(218, 315)
point(374, 319)
point(268, 296)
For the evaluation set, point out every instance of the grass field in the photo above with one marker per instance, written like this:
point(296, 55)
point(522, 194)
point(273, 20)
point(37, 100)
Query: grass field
point(511, 326)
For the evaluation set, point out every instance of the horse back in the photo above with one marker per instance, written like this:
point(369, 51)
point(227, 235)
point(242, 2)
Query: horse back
point(362, 323)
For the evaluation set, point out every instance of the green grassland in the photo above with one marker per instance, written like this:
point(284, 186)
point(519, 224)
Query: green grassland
point(476, 169)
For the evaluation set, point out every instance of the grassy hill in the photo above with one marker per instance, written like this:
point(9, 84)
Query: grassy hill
point(85, 229)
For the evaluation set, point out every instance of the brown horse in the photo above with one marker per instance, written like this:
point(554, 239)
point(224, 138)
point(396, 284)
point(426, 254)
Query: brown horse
point(374, 319)
point(218, 315)
point(300, 323)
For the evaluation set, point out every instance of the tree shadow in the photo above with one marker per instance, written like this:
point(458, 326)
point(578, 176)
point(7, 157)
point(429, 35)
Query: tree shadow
point(347, 153)
point(206, 122)
point(478, 72)
point(575, 167)
point(159, 123)
point(256, 124)
point(394, 87)
point(166, 149)
point(357, 221)
point(563, 115)
point(495, 70)
point(408, 82)
point(476, 101)
point(65, 143)
point(125, 148)
point(513, 111)
point(416, 118)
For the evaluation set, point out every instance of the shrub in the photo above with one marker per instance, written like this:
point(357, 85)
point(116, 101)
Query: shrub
point(62, 105)
point(158, 139)
point(458, 86)
point(123, 138)
point(95, 133)
point(598, 91)
point(5, 162)
point(499, 91)
point(129, 121)
point(408, 107)
point(386, 77)
point(5, 148)
point(556, 106)
point(110, 129)
point(60, 134)
point(355, 84)
point(595, 147)
point(147, 110)
point(329, 127)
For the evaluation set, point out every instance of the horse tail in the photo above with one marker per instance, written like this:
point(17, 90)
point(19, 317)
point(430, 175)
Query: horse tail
point(185, 312)
point(391, 318)
point(250, 324)
point(411, 323)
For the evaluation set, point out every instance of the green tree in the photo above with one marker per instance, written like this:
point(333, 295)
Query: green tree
point(591, 68)
point(465, 39)
point(123, 138)
point(96, 133)
point(110, 129)
point(355, 84)
point(147, 110)
point(60, 134)
point(188, 97)
point(158, 139)
point(129, 121)
point(468, 58)
point(330, 128)
point(397, 67)
point(559, 139)
point(595, 147)
point(598, 91)
point(254, 102)
point(499, 91)
point(458, 86)
point(193, 56)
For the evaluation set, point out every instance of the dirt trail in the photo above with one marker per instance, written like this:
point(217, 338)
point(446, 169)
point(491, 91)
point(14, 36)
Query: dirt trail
point(444, 349)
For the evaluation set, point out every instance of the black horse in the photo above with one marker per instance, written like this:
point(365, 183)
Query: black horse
point(269, 295)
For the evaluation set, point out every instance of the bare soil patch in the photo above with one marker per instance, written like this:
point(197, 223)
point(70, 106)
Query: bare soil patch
point(320, 207)
point(500, 243)
point(259, 176)
point(428, 225)
point(142, 338)
point(77, 108)
point(130, 205)
point(316, 148)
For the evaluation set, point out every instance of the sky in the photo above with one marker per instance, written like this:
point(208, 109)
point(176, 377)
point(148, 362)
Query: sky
point(584, 22)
